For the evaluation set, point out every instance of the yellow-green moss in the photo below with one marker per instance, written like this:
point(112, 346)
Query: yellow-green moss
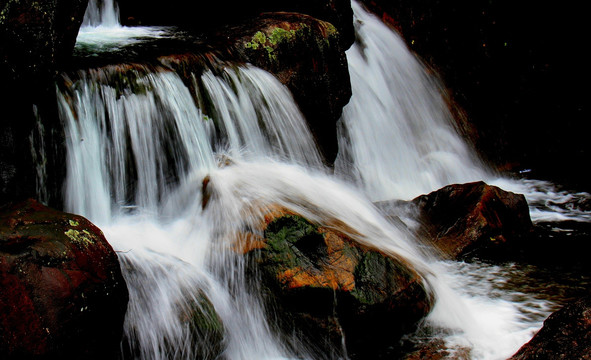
point(83, 237)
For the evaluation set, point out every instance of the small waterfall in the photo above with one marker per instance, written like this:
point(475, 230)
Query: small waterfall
point(397, 140)
point(101, 13)
point(102, 31)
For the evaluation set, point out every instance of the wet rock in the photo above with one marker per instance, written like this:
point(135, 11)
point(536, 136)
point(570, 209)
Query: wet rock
point(325, 286)
point(306, 55)
point(63, 295)
point(566, 334)
point(471, 219)
point(437, 350)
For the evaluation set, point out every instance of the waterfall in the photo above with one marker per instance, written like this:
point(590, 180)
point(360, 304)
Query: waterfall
point(142, 139)
point(397, 138)
point(136, 158)
point(101, 13)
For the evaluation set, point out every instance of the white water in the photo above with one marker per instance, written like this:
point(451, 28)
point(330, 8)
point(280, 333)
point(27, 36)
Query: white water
point(101, 13)
point(397, 139)
point(102, 29)
point(137, 156)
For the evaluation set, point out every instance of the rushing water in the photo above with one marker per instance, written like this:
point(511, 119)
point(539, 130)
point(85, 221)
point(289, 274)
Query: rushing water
point(139, 150)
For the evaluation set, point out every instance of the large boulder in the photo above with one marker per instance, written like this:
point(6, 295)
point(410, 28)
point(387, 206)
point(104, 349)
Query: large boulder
point(566, 334)
point(464, 220)
point(328, 287)
point(63, 295)
point(306, 55)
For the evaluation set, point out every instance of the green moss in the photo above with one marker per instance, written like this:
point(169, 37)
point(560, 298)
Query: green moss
point(285, 237)
point(257, 40)
point(276, 37)
point(279, 35)
point(83, 237)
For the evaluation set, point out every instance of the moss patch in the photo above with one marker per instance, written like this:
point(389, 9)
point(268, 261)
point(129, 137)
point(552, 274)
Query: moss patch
point(83, 237)
point(290, 240)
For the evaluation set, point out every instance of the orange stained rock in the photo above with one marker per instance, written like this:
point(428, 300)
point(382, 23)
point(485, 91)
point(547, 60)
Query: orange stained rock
point(337, 272)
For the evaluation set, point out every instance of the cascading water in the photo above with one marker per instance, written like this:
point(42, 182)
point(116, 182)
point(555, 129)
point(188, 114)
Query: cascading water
point(397, 139)
point(397, 134)
point(140, 148)
point(101, 13)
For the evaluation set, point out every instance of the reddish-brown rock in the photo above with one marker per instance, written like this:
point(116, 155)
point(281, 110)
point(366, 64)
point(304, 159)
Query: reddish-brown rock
point(63, 295)
point(464, 219)
point(566, 335)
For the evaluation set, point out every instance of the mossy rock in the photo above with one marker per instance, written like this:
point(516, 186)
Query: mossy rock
point(327, 286)
point(207, 329)
point(63, 294)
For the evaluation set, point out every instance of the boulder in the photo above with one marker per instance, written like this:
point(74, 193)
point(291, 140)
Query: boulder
point(306, 55)
point(63, 295)
point(464, 220)
point(566, 334)
point(328, 287)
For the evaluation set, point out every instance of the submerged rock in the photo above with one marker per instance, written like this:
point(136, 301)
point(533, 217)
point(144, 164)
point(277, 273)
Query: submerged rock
point(63, 295)
point(324, 286)
point(566, 334)
point(463, 220)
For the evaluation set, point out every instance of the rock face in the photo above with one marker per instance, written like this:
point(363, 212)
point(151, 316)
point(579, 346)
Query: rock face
point(468, 219)
point(327, 286)
point(306, 55)
point(566, 334)
point(36, 36)
point(62, 295)
point(36, 39)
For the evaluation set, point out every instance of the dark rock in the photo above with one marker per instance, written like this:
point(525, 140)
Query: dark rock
point(437, 350)
point(63, 295)
point(472, 219)
point(326, 286)
point(36, 39)
point(37, 36)
point(304, 54)
point(566, 334)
